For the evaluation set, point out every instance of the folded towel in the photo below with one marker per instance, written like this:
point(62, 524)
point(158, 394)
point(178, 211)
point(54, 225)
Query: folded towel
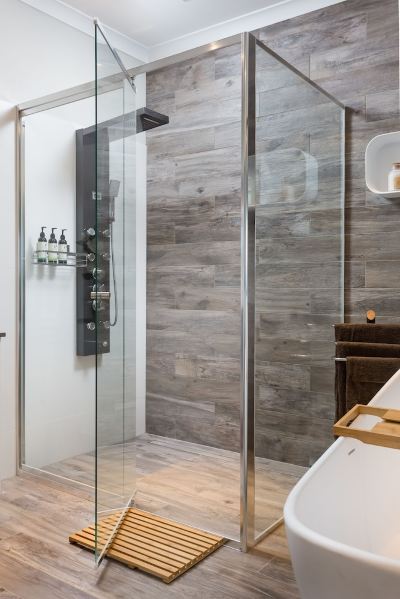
point(373, 350)
point(368, 333)
point(365, 376)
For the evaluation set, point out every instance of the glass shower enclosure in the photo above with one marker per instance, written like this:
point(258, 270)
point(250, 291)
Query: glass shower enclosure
point(254, 383)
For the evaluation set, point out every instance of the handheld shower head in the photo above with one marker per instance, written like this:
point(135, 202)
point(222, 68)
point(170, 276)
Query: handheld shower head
point(113, 191)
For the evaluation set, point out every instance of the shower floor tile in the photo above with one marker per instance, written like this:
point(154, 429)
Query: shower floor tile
point(193, 484)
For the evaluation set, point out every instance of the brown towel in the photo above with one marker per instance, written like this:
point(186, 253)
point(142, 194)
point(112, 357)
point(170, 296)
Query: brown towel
point(368, 333)
point(365, 376)
point(344, 349)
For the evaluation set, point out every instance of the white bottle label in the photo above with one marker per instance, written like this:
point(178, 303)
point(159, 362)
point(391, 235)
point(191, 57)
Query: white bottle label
point(53, 252)
point(62, 252)
point(41, 251)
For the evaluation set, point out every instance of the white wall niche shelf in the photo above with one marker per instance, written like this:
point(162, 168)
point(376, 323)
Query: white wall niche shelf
point(381, 152)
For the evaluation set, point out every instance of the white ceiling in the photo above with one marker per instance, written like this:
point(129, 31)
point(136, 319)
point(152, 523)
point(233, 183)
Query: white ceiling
point(153, 22)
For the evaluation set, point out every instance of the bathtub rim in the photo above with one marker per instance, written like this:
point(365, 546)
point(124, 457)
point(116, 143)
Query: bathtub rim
point(295, 525)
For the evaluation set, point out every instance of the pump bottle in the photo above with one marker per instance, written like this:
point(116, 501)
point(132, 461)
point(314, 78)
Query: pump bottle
point(53, 248)
point(62, 249)
point(41, 248)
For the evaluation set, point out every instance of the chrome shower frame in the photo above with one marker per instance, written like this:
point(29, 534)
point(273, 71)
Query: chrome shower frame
point(248, 43)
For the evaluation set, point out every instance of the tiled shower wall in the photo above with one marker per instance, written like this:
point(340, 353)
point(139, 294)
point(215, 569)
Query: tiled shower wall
point(351, 50)
point(193, 276)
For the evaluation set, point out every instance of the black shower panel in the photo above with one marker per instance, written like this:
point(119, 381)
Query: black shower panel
point(93, 207)
point(96, 286)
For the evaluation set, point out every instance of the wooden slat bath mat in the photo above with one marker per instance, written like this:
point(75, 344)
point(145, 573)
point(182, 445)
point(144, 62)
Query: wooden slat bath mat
point(150, 543)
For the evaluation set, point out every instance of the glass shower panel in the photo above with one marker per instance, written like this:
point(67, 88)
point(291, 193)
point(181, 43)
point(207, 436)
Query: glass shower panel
point(299, 277)
point(114, 288)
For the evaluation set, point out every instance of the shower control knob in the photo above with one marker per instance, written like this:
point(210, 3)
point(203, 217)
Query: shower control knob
point(97, 273)
point(106, 324)
point(91, 257)
point(91, 326)
point(90, 232)
point(106, 233)
point(105, 256)
point(105, 344)
point(97, 305)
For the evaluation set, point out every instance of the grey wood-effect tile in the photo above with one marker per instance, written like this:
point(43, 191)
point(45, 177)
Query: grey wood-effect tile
point(227, 275)
point(385, 302)
point(168, 143)
point(382, 273)
point(294, 95)
point(228, 61)
point(314, 248)
point(302, 327)
point(323, 119)
point(272, 75)
point(217, 89)
point(160, 279)
point(184, 75)
point(221, 228)
point(298, 426)
point(221, 369)
point(207, 114)
point(383, 105)
point(225, 299)
point(160, 233)
point(347, 59)
point(291, 349)
point(323, 378)
point(380, 77)
point(170, 341)
point(287, 448)
point(310, 275)
point(193, 254)
point(369, 246)
point(280, 299)
point(353, 49)
point(203, 322)
point(228, 135)
point(327, 301)
point(163, 210)
point(379, 219)
point(316, 404)
point(318, 32)
point(283, 376)
point(209, 173)
point(228, 204)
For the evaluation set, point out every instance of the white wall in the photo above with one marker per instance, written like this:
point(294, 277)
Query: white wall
point(59, 385)
point(8, 283)
point(38, 55)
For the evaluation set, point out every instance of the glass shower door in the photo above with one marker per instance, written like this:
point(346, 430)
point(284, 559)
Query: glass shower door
point(114, 291)
point(298, 278)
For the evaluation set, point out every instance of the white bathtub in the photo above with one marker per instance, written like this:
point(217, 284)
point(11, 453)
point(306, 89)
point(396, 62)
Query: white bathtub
point(343, 518)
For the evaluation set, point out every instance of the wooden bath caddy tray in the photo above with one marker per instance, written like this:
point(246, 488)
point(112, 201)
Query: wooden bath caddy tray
point(157, 546)
point(385, 433)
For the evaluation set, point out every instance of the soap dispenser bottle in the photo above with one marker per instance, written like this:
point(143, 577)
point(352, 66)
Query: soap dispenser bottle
point(41, 248)
point(53, 248)
point(62, 249)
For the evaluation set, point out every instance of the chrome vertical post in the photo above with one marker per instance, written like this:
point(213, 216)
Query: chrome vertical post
point(247, 494)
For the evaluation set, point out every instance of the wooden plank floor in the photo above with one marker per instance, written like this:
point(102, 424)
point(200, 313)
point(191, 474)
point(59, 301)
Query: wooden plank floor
point(37, 562)
point(185, 482)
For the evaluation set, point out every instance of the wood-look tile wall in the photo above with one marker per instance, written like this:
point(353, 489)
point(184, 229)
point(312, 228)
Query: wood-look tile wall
point(193, 276)
point(350, 49)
